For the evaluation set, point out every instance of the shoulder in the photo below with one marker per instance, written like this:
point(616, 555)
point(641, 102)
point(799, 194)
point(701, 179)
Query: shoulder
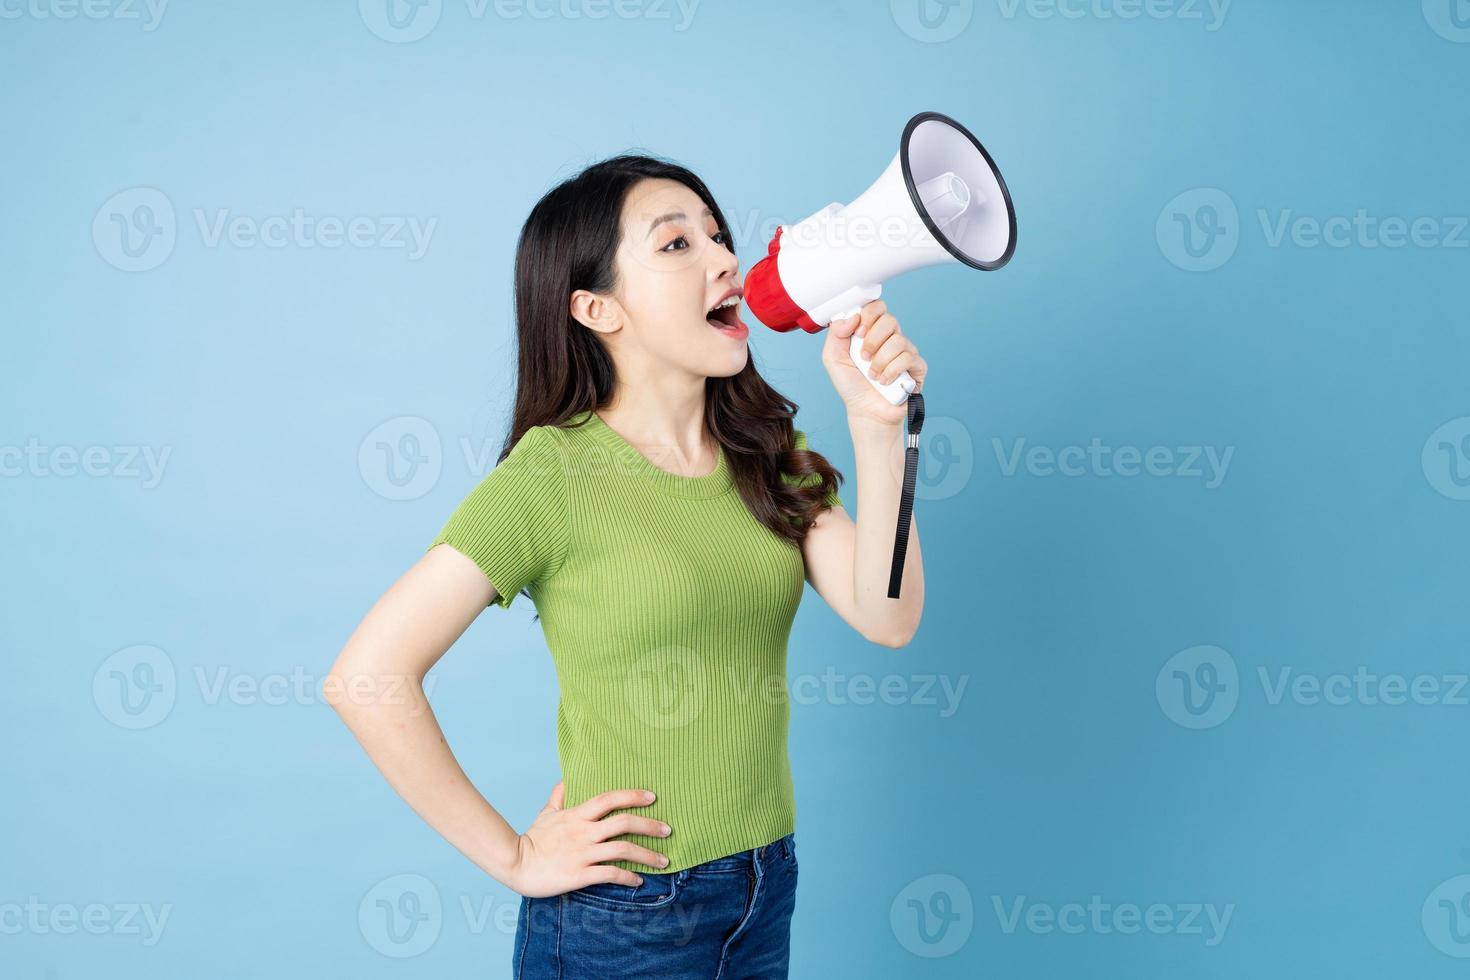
point(540, 445)
point(533, 467)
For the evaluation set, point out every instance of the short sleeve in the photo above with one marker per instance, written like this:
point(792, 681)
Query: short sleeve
point(513, 524)
point(811, 479)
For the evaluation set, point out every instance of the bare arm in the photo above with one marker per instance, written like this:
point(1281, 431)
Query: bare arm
point(376, 686)
point(848, 563)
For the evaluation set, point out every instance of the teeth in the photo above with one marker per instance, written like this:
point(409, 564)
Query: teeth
point(726, 304)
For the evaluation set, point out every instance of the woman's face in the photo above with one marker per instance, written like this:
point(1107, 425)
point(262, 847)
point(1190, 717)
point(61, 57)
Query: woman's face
point(674, 264)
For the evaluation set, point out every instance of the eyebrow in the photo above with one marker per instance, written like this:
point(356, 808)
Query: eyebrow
point(670, 217)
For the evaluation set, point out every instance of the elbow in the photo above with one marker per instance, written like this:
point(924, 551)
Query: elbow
point(355, 693)
point(892, 641)
point(336, 692)
point(330, 692)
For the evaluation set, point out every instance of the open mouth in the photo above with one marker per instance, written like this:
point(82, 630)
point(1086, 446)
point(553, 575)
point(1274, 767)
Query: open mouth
point(725, 315)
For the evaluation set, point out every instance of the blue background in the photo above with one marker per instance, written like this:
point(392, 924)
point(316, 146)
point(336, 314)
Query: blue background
point(1077, 763)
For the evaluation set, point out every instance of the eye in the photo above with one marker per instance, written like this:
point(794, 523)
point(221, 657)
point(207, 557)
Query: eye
point(722, 236)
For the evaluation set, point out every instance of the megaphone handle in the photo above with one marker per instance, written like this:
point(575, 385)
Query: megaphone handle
point(896, 391)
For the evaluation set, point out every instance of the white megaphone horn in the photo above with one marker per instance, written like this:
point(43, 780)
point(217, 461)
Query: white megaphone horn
point(941, 199)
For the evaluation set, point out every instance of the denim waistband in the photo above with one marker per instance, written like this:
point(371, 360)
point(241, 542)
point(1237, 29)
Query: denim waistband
point(784, 847)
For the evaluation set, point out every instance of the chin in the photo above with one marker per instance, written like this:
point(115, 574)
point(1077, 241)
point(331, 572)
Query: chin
point(726, 367)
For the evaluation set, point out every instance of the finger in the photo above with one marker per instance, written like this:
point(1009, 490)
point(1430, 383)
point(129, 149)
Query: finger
point(614, 799)
point(558, 795)
point(918, 370)
point(872, 310)
point(629, 823)
point(890, 349)
point(600, 874)
point(622, 850)
point(844, 327)
point(903, 362)
point(869, 315)
point(878, 334)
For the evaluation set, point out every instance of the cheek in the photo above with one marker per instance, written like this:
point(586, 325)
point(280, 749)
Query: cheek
point(663, 302)
point(673, 305)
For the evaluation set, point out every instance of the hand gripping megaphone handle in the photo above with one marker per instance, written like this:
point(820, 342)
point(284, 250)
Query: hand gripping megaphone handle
point(896, 391)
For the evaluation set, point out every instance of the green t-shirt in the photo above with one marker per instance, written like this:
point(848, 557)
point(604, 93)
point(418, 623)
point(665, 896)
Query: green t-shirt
point(666, 607)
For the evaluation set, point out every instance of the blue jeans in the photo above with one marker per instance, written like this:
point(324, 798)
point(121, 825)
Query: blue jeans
point(729, 918)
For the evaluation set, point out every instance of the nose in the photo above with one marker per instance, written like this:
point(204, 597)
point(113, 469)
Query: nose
point(727, 265)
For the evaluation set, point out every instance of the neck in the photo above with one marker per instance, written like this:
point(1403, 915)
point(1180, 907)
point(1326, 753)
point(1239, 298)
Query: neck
point(664, 417)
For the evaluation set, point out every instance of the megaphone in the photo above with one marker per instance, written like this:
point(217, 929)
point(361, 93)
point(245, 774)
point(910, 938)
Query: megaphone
point(941, 200)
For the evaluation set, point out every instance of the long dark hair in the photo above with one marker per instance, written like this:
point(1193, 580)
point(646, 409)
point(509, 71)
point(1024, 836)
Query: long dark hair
point(568, 243)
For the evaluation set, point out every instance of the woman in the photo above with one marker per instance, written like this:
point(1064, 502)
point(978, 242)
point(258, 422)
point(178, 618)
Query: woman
point(656, 504)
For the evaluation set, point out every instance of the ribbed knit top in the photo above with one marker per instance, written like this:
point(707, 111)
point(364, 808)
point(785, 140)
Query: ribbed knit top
point(666, 607)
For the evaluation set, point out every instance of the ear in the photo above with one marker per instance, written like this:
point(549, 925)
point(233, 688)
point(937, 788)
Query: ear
point(596, 311)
